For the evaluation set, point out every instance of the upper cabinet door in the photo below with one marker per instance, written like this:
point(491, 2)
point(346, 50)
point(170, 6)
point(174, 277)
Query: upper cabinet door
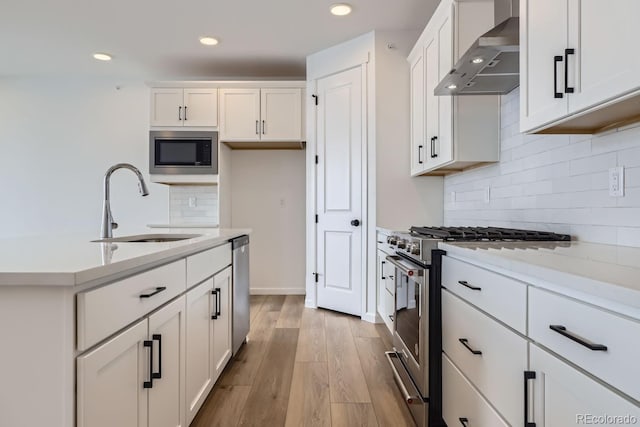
point(418, 159)
point(167, 107)
point(443, 145)
point(240, 115)
point(281, 115)
point(543, 39)
point(200, 107)
point(605, 63)
point(432, 103)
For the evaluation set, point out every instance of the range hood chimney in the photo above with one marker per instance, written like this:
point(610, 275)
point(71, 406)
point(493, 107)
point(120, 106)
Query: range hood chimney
point(491, 66)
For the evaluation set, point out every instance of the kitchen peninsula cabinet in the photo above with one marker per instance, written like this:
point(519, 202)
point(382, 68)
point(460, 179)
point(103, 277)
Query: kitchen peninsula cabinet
point(261, 114)
point(579, 75)
point(449, 134)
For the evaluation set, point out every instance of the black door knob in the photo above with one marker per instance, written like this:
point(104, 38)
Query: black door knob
point(355, 222)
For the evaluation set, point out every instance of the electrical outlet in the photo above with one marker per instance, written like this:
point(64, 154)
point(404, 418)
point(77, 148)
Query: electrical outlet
point(616, 181)
point(487, 194)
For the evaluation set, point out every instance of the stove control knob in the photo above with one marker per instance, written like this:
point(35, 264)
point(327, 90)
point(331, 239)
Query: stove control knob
point(402, 244)
point(415, 250)
point(392, 240)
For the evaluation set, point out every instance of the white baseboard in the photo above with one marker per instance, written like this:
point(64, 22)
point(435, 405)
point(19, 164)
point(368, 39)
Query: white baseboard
point(370, 317)
point(277, 291)
point(309, 303)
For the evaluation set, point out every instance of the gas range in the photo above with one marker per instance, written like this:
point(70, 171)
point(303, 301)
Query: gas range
point(419, 241)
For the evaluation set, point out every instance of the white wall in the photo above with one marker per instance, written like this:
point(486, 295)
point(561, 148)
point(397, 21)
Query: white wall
point(268, 196)
point(401, 201)
point(58, 136)
point(553, 182)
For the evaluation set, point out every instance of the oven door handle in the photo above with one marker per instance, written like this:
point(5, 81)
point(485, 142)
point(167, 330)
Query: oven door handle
point(404, 267)
point(396, 376)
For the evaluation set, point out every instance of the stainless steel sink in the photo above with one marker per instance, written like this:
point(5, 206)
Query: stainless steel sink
point(148, 238)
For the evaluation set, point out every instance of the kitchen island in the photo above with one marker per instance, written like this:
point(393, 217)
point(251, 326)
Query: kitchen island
point(80, 322)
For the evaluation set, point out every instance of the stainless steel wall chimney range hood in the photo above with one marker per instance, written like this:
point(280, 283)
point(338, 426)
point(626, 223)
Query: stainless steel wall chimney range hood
point(491, 66)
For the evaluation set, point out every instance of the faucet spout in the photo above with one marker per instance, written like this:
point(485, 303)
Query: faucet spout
point(108, 224)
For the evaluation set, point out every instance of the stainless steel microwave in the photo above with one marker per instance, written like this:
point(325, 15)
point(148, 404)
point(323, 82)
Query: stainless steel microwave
point(183, 152)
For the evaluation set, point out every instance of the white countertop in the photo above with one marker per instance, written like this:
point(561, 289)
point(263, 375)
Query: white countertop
point(606, 272)
point(73, 259)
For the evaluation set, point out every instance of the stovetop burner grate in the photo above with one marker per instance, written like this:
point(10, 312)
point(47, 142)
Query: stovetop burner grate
point(486, 234)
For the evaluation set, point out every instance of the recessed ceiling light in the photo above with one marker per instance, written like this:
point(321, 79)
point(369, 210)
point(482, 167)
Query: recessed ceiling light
point(102, 56)
point(477, 60)
point(452, 86)
point(340, 9)
point(208, 41)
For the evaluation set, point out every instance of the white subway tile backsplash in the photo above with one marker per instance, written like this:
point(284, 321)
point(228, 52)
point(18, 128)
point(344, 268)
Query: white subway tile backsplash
point(205, 210)
point(553, 182)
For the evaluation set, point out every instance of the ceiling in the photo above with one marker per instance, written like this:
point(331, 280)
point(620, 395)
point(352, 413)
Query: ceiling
point(158, 39)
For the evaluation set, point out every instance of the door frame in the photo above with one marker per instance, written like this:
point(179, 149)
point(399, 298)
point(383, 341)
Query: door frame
point(356, 53)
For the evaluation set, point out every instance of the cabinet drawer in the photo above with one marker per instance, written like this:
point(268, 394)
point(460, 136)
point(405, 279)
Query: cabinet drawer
point(103, 311)
point(460, 400)
point(205, 264)
point(496, 368)
point(502, 297)
point(618, 364)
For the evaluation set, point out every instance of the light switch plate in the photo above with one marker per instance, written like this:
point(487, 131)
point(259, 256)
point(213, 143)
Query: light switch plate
point(616, 181)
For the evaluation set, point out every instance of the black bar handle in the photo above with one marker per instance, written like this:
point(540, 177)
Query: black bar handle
point(264, 128)
point(577, 338)
point(215, 306)
point(180, 112)
point(149, 384)
point(433, 147)
point(567, 52)
point(556, 59)
point(528, 375)
point(156, 292)
point(466, 284)
point(185, 113)
point(218, 302)
point(420, 147)
point(382, 267)
point(464, 421)
point(465, 342)
point(257, 127)
point(158, 375)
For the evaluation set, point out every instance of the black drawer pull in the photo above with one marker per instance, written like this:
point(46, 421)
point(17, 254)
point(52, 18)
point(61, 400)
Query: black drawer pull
point(214, 316)
point(158, 375)
point(157, 291)
point(556, 94)
point(149, 384)
point(563, 331)
point(218, 302)
point(465, 342)
point(466, 284)
point(464, 422)
point(420, 154)
point(528, 375)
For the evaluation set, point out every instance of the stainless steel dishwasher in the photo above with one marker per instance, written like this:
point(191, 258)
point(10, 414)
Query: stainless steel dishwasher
point(240, 302)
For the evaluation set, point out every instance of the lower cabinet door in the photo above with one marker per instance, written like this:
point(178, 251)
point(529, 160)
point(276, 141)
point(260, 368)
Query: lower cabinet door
point(166, 397)
point(563, 396)
point(199, 356)
point(222, 323)
point(462, 405)
point(110, 381)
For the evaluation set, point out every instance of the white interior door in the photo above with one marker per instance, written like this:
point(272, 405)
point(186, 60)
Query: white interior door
point(339, 191)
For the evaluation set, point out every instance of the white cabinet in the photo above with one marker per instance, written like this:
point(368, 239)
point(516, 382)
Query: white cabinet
point(450, 133)
point(190, 107)
point(562, 396)
point(137, 377)
point(208, 336)
point(385, 281)
point(265, 114)
point(574, 70)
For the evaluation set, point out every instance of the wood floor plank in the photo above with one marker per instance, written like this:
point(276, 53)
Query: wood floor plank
point(269, 396)
point(390, 409)
point(244, 366)
point(353, 415)
point(223, 407)
point(312, 345)
point(255, 304)
point(309, 402)
point(273, 303)
point(346, 379)
point(291, 312)
point(360, 328)
point(385, 335)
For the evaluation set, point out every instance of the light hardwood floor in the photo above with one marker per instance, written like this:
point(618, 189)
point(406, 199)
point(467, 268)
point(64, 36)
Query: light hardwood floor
point(306, 367)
